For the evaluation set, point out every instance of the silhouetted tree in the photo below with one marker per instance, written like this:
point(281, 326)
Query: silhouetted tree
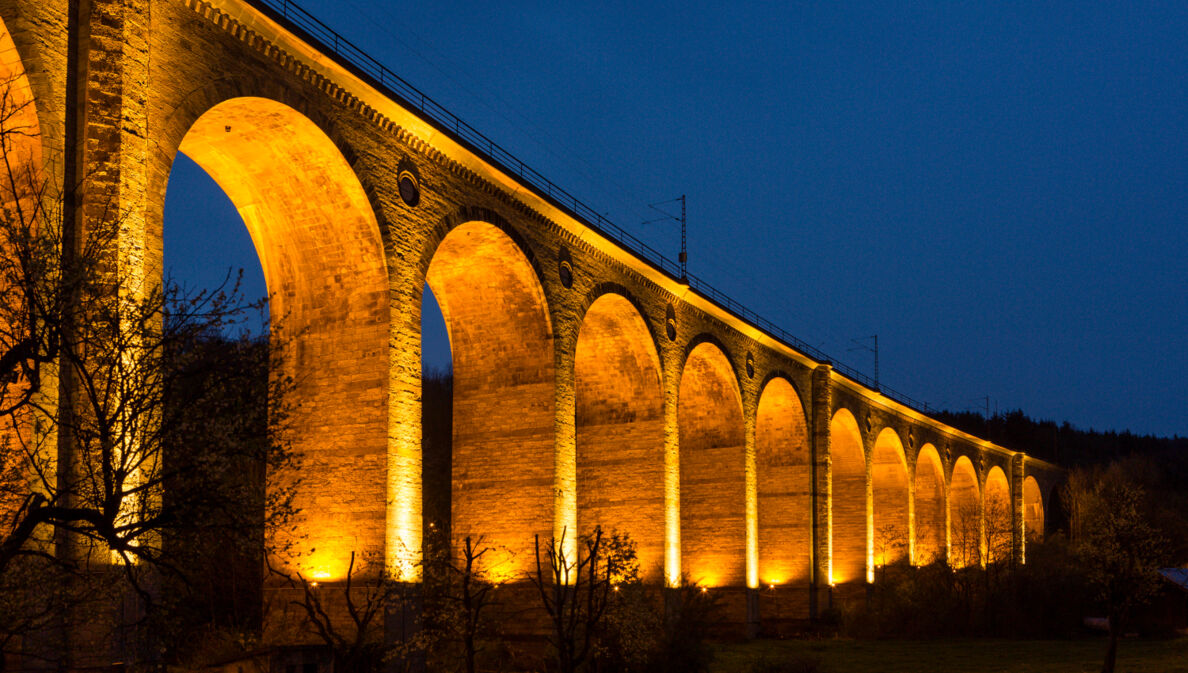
point(965, 534)
point(576, 592)
point(890, 542)
point(348, 617)
point(1121, 549)
point(100, 377)
point(460, 592)
point(999, 532)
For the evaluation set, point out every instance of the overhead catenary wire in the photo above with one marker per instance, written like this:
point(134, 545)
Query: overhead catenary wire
point(483, 96)
point(344, 48)
point(683, 220)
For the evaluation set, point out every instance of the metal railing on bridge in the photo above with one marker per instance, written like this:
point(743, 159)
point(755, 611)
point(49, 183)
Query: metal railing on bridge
point(318, 34)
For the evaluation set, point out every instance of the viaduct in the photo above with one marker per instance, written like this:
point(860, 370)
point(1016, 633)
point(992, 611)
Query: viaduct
point(593, 384)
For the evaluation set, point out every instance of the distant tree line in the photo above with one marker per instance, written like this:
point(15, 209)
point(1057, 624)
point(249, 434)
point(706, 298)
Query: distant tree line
point(1062, 443)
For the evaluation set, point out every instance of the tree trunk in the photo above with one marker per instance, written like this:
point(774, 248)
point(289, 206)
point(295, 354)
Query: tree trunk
point(1112, 649)
point(470, 652)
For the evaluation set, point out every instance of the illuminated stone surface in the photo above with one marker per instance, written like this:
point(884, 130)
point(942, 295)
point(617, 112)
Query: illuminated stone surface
point(713, 524)
point(889, 501)
point(849, 500)
point(965, 511)
point(929, 512)
point(785, 486)
point(1033, 509)
point(620, 429)
point(319, 246)
point(503, 391)
point(996, 517)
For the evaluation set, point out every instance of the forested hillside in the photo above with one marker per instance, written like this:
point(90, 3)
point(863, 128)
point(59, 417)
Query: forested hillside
point(1062, 443)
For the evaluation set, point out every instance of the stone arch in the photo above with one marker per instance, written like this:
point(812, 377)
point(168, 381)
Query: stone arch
point(1033, 510)
point(712, 469)
point(784, 475)
point(791, 381)
point(174, 126)
point(470, 214)
point(620, 428)
point(501, 347)
point(623, 292)
point(1054, 514)
point(965, 514)
point(930, 507)
point(847, 500)
point(21, 148)
point(889, 498)
point(997, 519)
point(321, 251)
point(20, 128)
point(705, 338)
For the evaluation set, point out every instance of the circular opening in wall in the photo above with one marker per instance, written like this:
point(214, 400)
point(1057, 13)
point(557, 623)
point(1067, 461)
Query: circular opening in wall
point(410, 189)
point(565, 267)
point(750, 365)
point(670, 323)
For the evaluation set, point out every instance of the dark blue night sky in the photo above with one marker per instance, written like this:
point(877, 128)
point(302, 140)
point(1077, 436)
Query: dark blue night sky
point(996, 189)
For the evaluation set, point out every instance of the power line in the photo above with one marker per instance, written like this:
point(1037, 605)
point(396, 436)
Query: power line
point(526, 127)
point(534, 178)
point(684, 256)
point(863, 346)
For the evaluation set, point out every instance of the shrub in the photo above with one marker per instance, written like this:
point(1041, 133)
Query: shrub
point(790, 665)
point(1045, 598)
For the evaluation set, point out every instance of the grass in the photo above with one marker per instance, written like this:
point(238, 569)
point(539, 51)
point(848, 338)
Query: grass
point(956, 656)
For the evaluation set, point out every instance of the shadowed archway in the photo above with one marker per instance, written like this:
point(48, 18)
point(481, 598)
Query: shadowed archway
point(501, 347)
point(930, 507)
point(997, 516)
point(784, 485)
point(1033, 510)
point(712, 470)
point(889, 501)
point(20, 128)
point(21, 184)
point(320, 249)
point(848, 500)
point(965, 515)
point(620, 429)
